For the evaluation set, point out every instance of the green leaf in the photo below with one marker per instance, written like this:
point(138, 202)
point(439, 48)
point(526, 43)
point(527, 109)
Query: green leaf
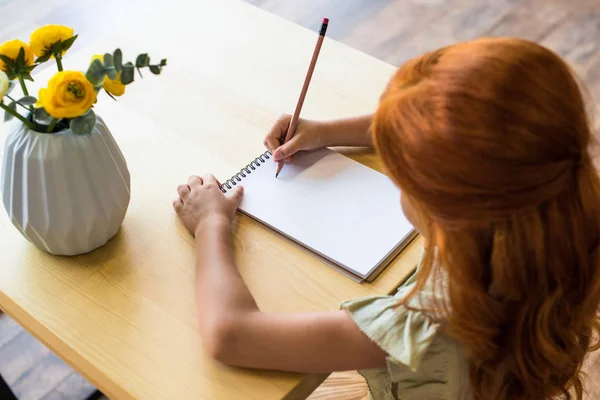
point(95, 73)
point(155, 69)
point(41, 117)
point(44, 57)
point(27, 101)
point(21, 58)
point(108, 60)
point(139, 70)
point(56, 47)
point(112, 73)
point(163, 62)
point(8, 116)
point(85, 124)
point(118, 60)
point(127, 74)
point(66, 45)
point(10, 63)
point(27, 76)
point(142, 60)
point(11, 74)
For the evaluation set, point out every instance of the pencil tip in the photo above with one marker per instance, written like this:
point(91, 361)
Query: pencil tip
point(276, 174)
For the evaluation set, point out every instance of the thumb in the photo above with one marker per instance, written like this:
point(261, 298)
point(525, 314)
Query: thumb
point(235, 195)
point(287, 149)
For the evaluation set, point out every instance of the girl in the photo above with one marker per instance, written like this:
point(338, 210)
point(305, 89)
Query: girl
point(489, 143)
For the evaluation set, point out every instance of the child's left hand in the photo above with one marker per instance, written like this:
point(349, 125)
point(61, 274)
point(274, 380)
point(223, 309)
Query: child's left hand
point(201, 201)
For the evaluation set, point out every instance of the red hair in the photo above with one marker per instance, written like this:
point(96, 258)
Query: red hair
point(490, 142)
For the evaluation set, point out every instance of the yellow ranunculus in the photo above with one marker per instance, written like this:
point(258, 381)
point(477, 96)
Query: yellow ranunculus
point(11, 50)
point(43, 38)
point(112, 86)
point(69, 95)
point(3, 84)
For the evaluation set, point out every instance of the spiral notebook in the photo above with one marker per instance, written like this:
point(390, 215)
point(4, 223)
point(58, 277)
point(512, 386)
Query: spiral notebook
point(341, 211)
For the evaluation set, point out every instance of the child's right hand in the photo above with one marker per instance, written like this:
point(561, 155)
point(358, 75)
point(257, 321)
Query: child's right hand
point(309, 135)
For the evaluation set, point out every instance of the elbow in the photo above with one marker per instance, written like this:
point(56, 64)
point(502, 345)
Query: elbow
point(220, 341)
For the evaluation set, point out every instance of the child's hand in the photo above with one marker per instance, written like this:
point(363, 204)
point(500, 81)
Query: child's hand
point(309, 135)
point(201, 201)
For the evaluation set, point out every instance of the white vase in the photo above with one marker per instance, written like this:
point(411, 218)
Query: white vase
point(66, 193)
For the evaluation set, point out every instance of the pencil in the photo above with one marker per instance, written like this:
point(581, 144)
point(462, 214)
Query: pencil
point(311, 68)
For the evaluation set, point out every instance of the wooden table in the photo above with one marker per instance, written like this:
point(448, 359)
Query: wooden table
point(124, 315)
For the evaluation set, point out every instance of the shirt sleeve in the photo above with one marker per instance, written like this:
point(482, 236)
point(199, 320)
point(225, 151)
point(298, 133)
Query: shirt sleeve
point(404, 334)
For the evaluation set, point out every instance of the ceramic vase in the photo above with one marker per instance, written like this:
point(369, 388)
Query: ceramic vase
point(66, 193)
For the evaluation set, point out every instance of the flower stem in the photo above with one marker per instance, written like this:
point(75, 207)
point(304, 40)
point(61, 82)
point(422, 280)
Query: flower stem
point(15, 114)
point(58, 58)
point(19, 104)
point(24, 88)
point(52, 125)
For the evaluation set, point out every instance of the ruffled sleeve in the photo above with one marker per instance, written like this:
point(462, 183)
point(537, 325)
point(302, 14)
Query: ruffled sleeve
point(405, 335)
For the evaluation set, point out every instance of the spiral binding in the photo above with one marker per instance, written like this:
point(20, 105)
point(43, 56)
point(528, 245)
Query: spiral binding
point(244, 172)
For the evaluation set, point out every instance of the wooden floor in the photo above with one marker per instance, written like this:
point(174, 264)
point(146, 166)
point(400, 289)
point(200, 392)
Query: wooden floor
point(392, 30)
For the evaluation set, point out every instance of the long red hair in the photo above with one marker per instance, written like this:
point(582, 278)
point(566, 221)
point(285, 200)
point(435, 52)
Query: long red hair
point(490, 142)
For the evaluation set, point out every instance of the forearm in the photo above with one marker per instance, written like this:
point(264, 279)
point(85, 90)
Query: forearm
point(220, 290)
point(352, 131)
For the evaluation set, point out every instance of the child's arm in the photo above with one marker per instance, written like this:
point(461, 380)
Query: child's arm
point(311, 135)
point(233, 329)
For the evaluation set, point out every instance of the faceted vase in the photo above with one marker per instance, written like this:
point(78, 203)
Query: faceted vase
point(66, 193)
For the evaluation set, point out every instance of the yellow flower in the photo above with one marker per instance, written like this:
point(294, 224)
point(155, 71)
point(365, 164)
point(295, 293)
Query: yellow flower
point(11, 50)
point(43, 38)
point(112, 86)
point(3, 84)
point(69, 95)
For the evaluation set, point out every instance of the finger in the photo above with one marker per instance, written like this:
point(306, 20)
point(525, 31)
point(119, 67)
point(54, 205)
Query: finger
point(235, 195)
point(209, 178)
point(287, 149)
point(183, 191)
point(272, 144)
point(195, 180)
point(290, 159)
point(177, 204)
point(280, 127)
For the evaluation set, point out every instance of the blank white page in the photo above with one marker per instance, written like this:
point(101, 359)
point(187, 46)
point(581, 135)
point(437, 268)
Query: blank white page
point(338, 208)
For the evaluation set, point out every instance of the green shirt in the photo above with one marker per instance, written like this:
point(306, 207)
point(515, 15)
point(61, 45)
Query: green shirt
point(422, 362)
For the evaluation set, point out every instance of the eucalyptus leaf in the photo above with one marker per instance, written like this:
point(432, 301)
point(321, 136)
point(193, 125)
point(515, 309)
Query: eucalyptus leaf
point(163, 62)
point(27, 101)
point(95, 73)
point(66, 45)
point(112, 73)
point(108, 60)
point(44, 57)
point(118, 59)
point(8, 116)
point(142, 60)
point(139, 70)
point(41, 117)
point(85, 124)
point(127, 74)
point(21, 58)
point(155, 69)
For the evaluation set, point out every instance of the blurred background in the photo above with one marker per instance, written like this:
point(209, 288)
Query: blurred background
point(391, 30)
